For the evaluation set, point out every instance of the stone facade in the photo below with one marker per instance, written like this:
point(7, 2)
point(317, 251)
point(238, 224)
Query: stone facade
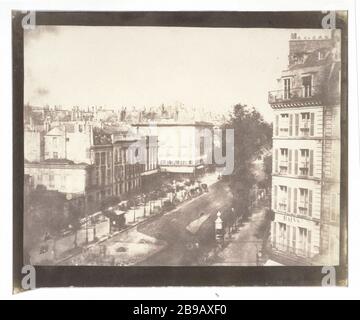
point(306, 154)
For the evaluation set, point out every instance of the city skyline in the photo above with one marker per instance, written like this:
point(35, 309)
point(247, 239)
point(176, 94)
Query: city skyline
point(204, 68)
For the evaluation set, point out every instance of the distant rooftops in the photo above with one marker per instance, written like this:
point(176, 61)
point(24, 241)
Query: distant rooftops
point(174, 123)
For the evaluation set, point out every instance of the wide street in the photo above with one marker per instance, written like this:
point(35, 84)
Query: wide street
point(179, 237)
point(182, 237)
point(172, 228)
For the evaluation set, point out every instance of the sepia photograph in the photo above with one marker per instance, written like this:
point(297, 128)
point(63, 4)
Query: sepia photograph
point(183, 146)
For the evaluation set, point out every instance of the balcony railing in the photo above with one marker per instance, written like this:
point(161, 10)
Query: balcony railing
point(283, 163)
point(295, 94)
point(304, 164)
point(282, 205)
point(303, 208)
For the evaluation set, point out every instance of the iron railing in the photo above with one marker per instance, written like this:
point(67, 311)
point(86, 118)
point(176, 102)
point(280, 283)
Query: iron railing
point(295, 94)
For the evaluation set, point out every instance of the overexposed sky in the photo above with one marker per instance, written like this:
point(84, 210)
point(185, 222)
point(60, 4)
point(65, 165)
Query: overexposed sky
point(211, 68)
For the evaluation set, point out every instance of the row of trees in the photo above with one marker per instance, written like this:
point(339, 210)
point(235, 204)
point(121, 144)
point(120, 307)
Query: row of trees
point(48, 212)
point(251, 135)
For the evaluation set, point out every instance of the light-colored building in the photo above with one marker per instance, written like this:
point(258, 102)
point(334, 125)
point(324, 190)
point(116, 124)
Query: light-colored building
point(60, 175)
point(306, 154)
point(71, 140)
point(33, 145)
point(181, 146)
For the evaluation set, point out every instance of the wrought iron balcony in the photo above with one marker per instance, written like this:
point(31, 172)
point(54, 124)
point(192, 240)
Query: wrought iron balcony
point(298, 94)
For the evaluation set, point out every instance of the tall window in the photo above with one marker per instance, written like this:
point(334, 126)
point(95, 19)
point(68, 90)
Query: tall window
point(282, 236)
point(283, 160)
point(304, 162)
point(307, 86)
point(97, 158)
point(303, 203)
point(284, 124)
point(283, 198)
point(302, 241)
point(287, 94)
point(102, 158)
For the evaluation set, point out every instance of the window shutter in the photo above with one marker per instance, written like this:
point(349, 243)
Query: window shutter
point(311, 170)
point(294, 238)
point(276, 125)
point(310, 203)
point(276, 161)
point(290, 124)
point(290, 162)
point(295, 200)
point(288, 237)
point(289, 200)
point(309, 242)
point(275, 198)
point(297, 124)
point(296, 163)
point(312, 120)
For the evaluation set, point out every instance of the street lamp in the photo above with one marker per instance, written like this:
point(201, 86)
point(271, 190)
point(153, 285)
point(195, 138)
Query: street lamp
point(219, 232)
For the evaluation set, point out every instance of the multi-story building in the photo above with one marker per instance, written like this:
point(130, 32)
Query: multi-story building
point(61, 175)
point(69, 140)
point(181, 146)
point(127, 171)
point(34, 145)
point(115, 172)
point(306, 154)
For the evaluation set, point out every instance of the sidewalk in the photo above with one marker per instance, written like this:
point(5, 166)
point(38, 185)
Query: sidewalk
point(243, 246)
point(63, 248)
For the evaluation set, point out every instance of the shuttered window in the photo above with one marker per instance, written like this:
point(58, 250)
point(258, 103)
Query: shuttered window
point(290, 125)
point(288, 238)
point(276, 161)
point(296, 163)
point(296, 124)
point(309, 242)
point(289, 200)
point(310, 203)
point(290, 162)
point(312, 121)
point(276, 125)
point(311, 164)
point(295, 200)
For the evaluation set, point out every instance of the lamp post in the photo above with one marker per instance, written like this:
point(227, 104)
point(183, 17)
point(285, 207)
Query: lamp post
point(219, 231)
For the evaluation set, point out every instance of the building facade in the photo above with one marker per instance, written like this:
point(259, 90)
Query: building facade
point(181, 146)
point(69, 140)
point(34, 145)
point(61, 175)
point(306, 154)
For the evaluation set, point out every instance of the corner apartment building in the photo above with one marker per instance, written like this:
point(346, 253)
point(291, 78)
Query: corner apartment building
point(306, 154)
